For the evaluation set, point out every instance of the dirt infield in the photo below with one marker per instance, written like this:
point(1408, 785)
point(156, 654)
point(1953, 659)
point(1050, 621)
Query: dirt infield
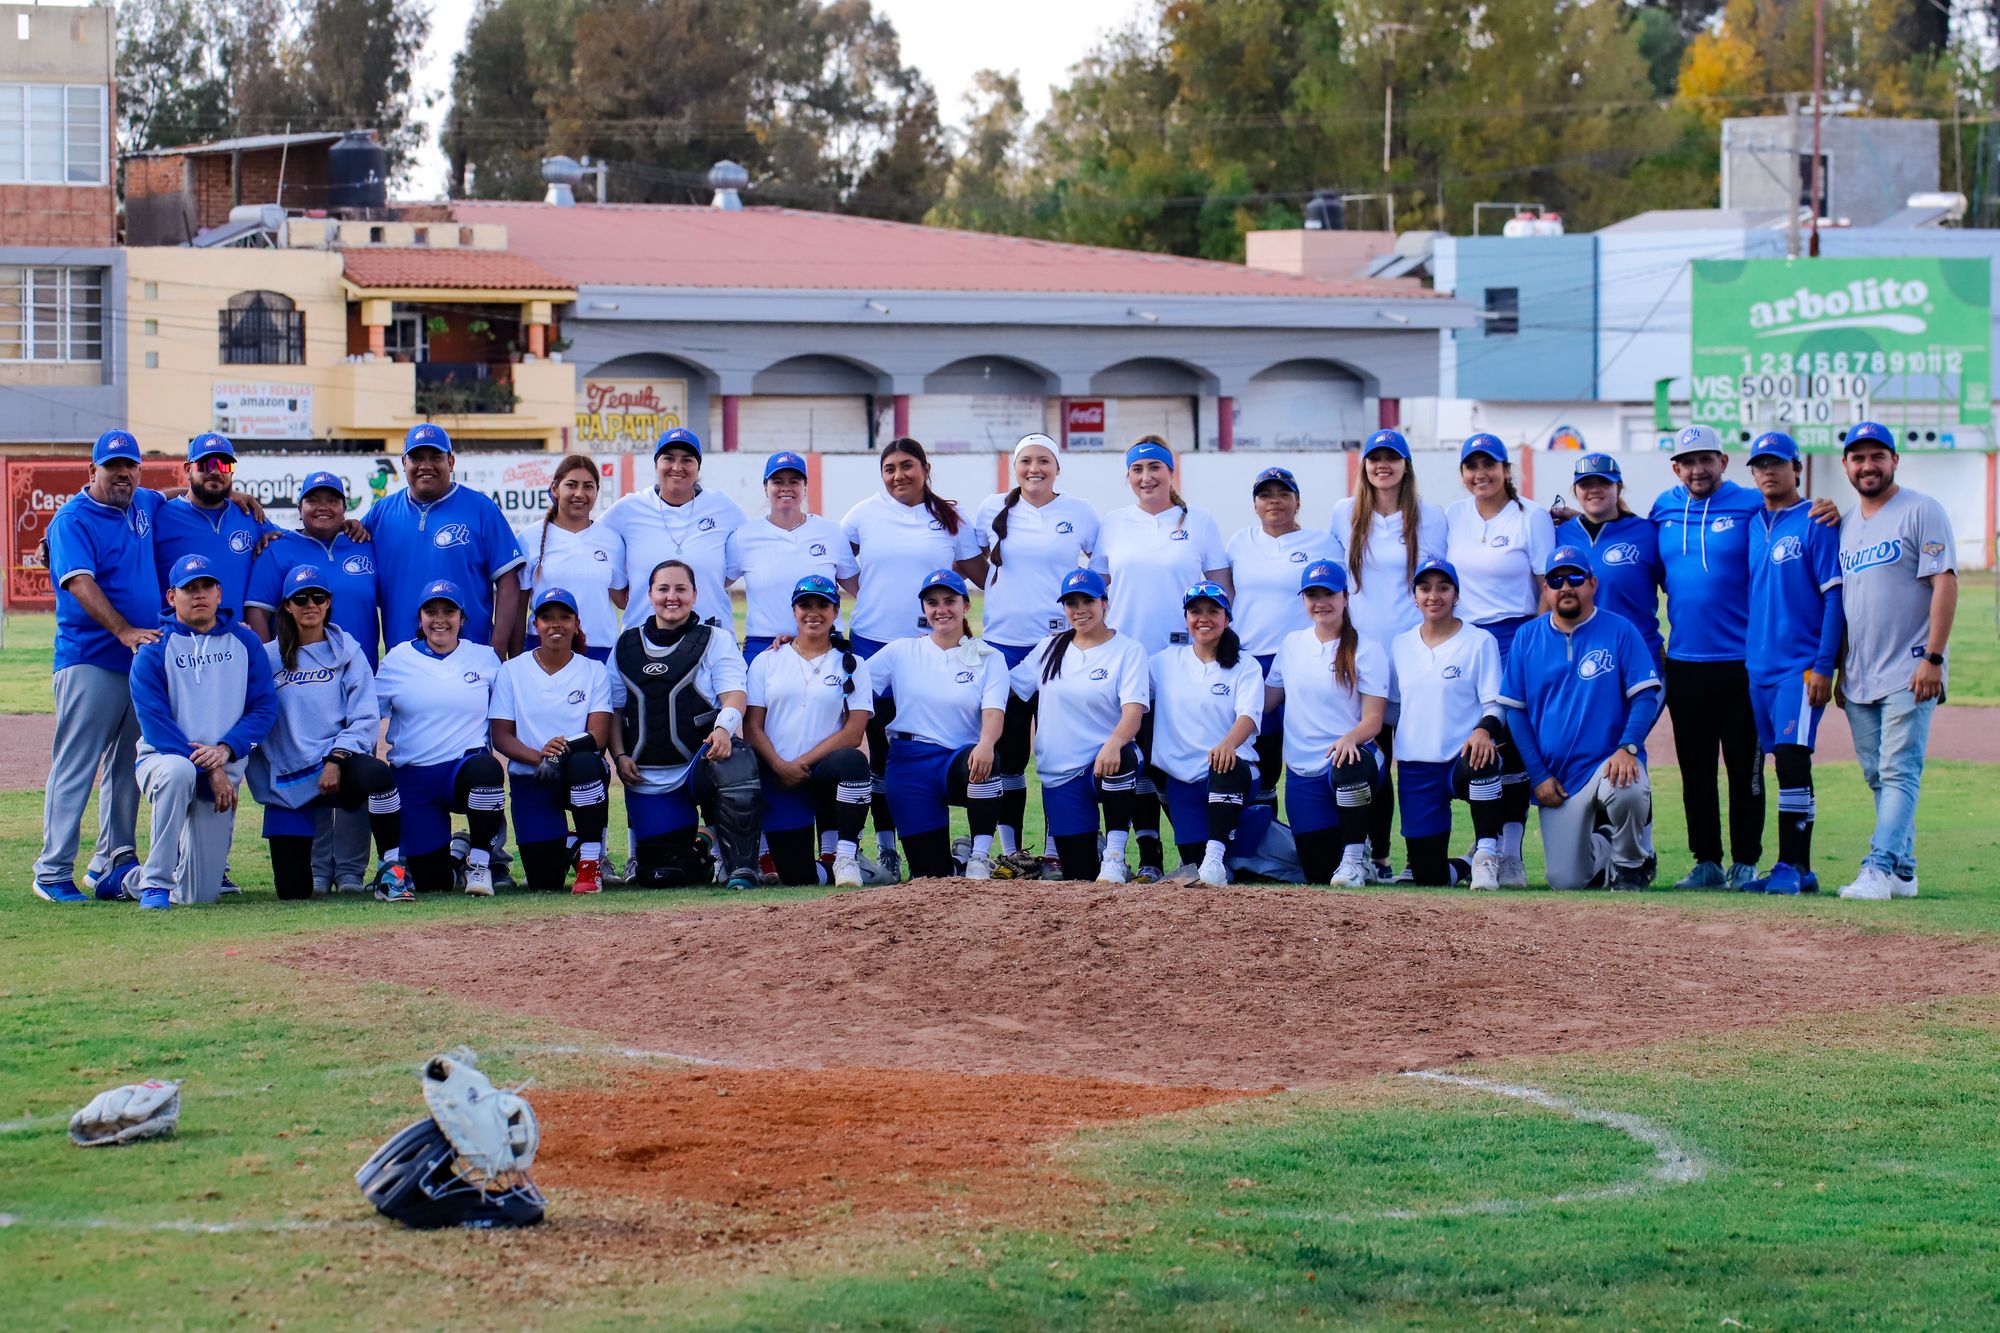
point(1231, 988)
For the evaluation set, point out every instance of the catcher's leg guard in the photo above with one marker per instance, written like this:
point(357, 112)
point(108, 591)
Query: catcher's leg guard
point(291, 865)
point(735, 796)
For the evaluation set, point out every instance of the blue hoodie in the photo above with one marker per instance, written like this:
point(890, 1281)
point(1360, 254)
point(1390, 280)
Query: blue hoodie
point(193, 688)
point(325, 703)
point(1705, 547)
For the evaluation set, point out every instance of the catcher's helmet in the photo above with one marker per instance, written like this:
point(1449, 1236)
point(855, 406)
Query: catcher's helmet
point(410, 1179)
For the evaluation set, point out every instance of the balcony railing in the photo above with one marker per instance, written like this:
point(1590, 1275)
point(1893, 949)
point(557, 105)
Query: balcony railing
point(462, 388)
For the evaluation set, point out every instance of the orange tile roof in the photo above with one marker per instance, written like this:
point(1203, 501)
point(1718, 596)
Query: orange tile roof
point(420, 266)
point(681, 245)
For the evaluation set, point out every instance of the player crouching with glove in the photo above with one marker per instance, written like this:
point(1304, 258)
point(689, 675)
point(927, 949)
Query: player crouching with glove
point(203, 694)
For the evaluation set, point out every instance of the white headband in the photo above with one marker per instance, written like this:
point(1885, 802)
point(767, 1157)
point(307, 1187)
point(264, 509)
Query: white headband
point(1029, 441)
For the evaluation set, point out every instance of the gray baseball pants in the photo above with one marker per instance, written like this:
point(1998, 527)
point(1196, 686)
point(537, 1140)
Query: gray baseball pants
point(97, 731)
point(191, 837)
point(1573, 852)
point(340, 847)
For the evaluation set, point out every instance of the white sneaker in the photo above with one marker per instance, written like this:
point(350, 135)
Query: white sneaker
point(479, 881)
point(1871, 885)
point(1485, 870)
point(1112, 872)
point(1902, 888)
point(1213, 871)
point(846, 872)
point(1352, 874)
point(978, 867)
point(1513, 872)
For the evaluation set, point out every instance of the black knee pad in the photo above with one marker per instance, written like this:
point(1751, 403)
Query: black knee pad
point(367, 775)
point(1235, 782)
point(481, 770)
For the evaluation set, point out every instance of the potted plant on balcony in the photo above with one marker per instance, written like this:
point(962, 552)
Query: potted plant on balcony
point(557, 347)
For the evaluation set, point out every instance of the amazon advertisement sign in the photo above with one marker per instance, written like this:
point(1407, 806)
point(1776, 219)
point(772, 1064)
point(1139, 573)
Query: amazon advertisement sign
point(1811, 346)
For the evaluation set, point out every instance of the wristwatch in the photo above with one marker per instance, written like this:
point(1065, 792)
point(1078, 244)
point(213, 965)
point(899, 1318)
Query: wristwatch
point(1630, 749)
point(1935, 659)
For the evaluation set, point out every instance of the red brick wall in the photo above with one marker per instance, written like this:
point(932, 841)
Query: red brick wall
point(257, 182)
point(58, 215)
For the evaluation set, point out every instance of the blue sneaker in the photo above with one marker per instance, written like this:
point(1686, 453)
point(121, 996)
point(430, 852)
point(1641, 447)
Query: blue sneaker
point(115, 886)
point(156, 900)
point(63, 892)
point(1808, 882)
point(1783, 880)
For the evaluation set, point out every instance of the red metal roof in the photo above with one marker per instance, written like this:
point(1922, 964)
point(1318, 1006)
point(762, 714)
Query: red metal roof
point(680, 245)
point(419, 266)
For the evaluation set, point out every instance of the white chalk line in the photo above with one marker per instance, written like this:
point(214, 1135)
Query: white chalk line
point(1675, 1163)
point(185, 1225)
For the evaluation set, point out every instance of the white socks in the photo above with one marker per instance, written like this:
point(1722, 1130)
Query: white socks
point(478, 856)
point(1114, 844)
point(1487, 845)
point(982, 845)
point(1216, 850)
point(1010, 840)
point(842, 847)
point(591, 851)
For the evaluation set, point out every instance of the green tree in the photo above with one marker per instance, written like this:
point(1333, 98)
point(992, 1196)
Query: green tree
point(172, 85)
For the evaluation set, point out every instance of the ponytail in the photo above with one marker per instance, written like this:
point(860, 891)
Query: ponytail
point(1174, 497)
point(1507, 475)
point(941, 508)
point(1228, 649)
point(846, 649)
point(1052, 656)
point(1343, 655)
point(1000, 523)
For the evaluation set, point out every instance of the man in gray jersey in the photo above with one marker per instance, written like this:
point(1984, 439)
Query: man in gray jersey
point(1899, 592)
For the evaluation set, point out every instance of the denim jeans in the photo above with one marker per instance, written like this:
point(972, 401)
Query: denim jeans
point(1889, 739)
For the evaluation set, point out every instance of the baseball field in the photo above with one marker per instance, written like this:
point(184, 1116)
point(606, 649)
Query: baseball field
point(991, 1106)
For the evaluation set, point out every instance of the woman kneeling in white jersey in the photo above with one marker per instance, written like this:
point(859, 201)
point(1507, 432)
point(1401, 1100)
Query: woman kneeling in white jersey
point(1208, 699)
point(435, 690)
point(951, 700)
point(551, 716)
point(808, 712)
point(1087, 682)
point(1336, 686)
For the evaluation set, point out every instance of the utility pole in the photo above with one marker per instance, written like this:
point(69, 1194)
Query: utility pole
point(1819, 86)
point(1792, 211)
point(1389, 29)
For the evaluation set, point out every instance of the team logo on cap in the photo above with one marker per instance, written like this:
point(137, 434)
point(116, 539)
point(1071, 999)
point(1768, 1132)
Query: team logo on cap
point(239, 542)
point(195, 564)
point(425, 435)
point(1787, 548)
point(1690, 435)
point(1595, 663)
point(452, 534)
point(1623, 553)
point(357, 564)
point(963, 678)
point(576, 696)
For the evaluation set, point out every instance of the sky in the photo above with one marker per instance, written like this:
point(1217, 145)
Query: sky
point(949, 40)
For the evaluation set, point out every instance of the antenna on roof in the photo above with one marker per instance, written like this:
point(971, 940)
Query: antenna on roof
point(726, 178)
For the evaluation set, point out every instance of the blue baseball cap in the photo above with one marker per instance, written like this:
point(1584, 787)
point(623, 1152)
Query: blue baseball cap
point(1391, 440)
point(1282, 475)
point(1697, 440)
point(189, 568)
point(1774, 444)
point(1212, 591)
point(787, 461)
point(1086, 581)
point(1870, 432)
point(1146, 449)
point(1568, 557)
point(1437, 565)
point(1327, 574)
point(680, 437)
point(304, 578)
point(1602, 466)
point(323, 481)
point(427, 435)
point(815, 585)
point(209, 444)
point(114, 445)
point(554, 597)
point(1485, 442)
point(945, 578)
point(441, 590)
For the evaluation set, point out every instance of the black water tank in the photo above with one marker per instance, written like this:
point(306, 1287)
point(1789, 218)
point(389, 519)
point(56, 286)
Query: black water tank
point(1325, 212)
point(357, 172)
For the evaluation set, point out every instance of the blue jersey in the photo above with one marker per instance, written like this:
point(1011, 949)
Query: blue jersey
point(1795, 614)
point(226, 535)
point(459, 536)
point(1576, 697)
point(115, 547)
point(1626, 554)
point(347, 566)
point(1703, 544)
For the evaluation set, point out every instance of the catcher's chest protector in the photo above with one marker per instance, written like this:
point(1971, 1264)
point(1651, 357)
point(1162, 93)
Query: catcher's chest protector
point(666, 717)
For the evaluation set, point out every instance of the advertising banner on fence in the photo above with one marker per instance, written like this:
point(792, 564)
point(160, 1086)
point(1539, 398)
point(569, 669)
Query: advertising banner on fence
point(36, 488)
point(1811, 346)
point(627, 416)
point(518, 483)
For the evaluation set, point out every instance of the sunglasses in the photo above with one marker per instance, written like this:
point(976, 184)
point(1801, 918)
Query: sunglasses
point(1572, 579)
point(313, 597)
point(216, 465)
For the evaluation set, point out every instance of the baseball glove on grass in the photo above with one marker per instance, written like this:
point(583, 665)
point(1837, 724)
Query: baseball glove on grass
point(123, 1115)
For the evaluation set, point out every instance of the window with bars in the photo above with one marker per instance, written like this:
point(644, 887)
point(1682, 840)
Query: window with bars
point(53, 134)
point(262, 329)
point(51, 314)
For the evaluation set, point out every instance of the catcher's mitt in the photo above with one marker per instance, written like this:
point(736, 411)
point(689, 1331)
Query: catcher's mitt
point(493, 1129)
point(123, 1115)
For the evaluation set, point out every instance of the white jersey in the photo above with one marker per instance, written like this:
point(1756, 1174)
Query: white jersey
point(436, 706)
point(1265, 569)
point(590, 564)
point(1151, 560)
point(1445, 691)
point(940, 692)
point(1195, 703)
point(543, 706)
point(1383, 606)
point(1499, 560)
point(897, 545)
point(1078, 708)
point(771, 560)
point(695, 532)
point(1319, 710)
point(1042, 545)
point(718, 671)
point(805, 699)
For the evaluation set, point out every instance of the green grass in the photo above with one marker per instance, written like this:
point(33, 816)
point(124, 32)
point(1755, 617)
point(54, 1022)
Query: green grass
point(1854, 1163)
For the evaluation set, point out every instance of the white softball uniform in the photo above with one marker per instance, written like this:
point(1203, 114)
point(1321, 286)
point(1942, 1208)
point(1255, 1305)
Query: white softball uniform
point(696, 532)
point(1499, 559)
point(771, 560)
point(1445, 691)
point(1042, 545)
point(1319, 710)
point(1195, 703)
point(1265, 569)
point(896, 545)
point(940, 692)
point(544, 705)
point(1078, 708)
point(590, 564)
point(803, 697)
point(436, 706)
point(1382, 607)
point(1151, 560)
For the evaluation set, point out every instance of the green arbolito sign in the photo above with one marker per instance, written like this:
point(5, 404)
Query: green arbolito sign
point(1810, 346)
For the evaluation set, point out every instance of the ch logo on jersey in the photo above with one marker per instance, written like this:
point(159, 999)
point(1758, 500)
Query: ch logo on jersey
point(935, 526)
point(599, 556)
point(1298, 557)
point(575, 696)
point(142, 523)
point(1597, 662)
point(1220, 689)
point(1451, 673)
point(1787, 548)
point(963, 677)
point(450, 535)
point(1101, 673)
point(315, 676)
point(816, 550)
point(706, 525)
point(472, 678)
point(239, 542)
point(1620, 553)
point(1178, 535)
point(832, 682)
point(1723, 524)
point(1869, 557)
point(1501, 540)
point(1065, 527)
point(357, 564)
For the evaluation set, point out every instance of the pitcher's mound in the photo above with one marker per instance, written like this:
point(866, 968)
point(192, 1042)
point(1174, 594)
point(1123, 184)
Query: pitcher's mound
point(1240, 988)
